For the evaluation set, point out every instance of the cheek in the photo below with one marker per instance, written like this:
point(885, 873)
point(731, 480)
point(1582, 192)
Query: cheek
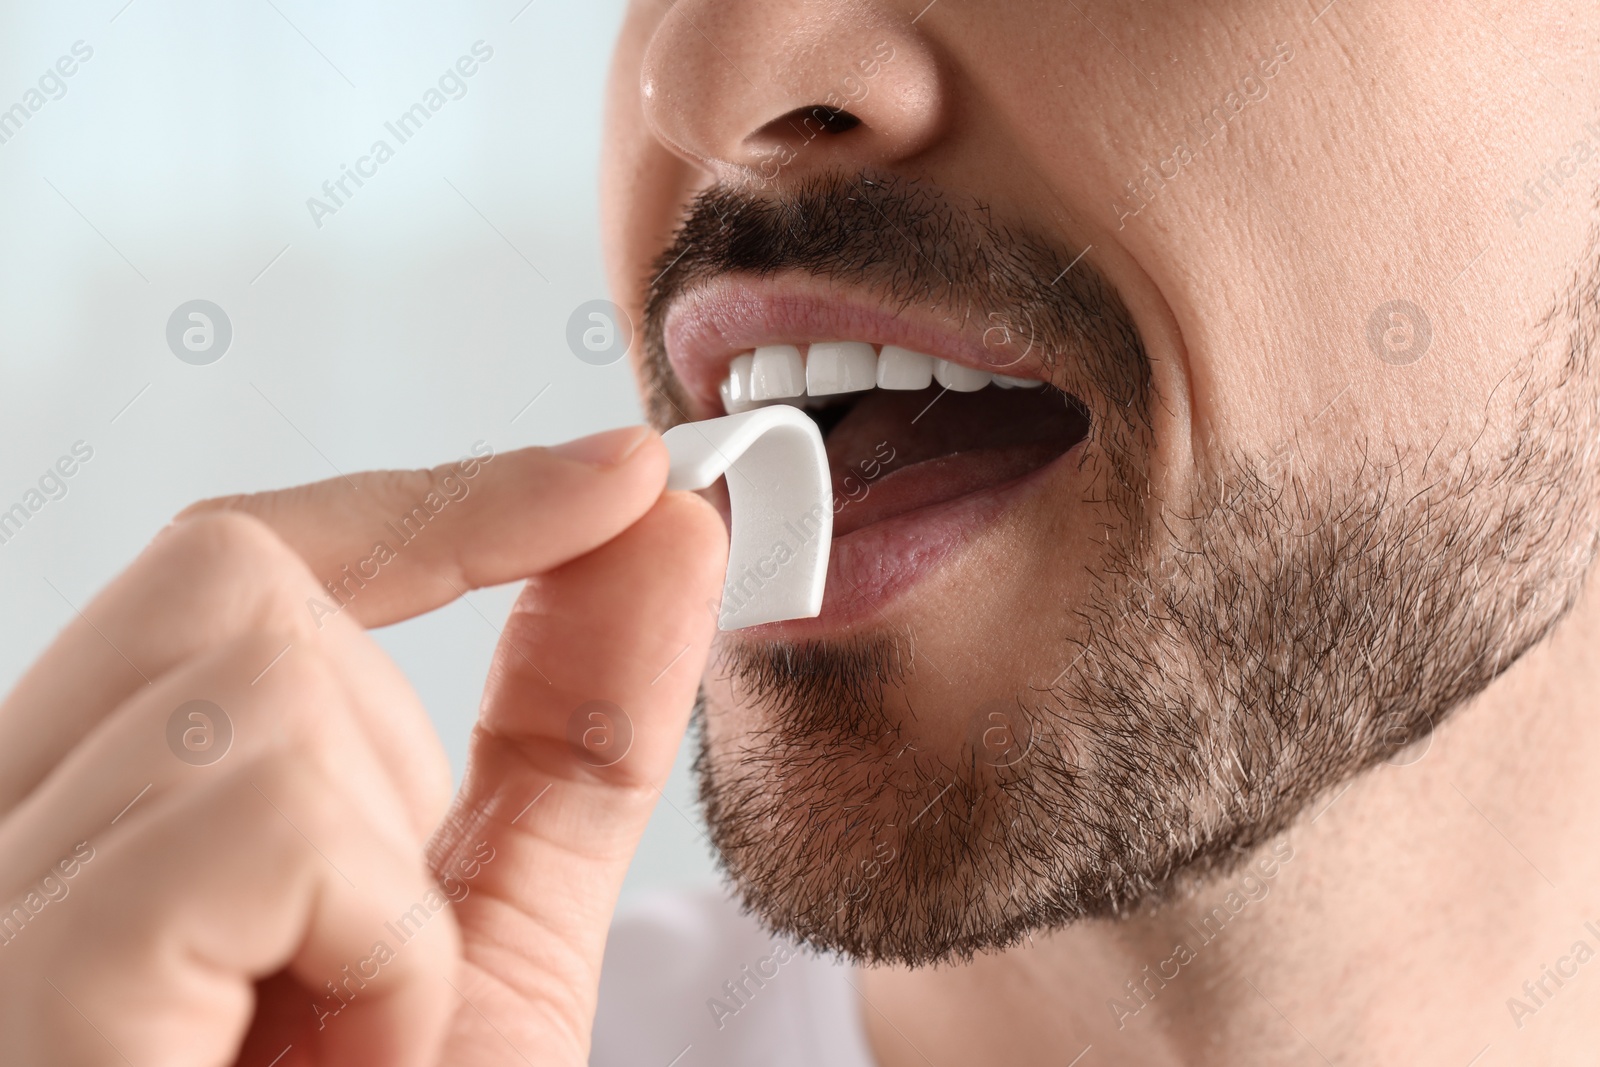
point(1284, 291)
point(642, 185)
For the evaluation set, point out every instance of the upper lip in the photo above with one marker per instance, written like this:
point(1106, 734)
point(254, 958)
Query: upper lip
point(711, 324)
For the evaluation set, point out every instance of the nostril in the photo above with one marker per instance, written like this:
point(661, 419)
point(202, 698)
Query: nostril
point(831, 119)
point(840, 86)
point(807, 122)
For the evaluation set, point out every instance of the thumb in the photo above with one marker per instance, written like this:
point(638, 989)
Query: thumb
point(588, 699)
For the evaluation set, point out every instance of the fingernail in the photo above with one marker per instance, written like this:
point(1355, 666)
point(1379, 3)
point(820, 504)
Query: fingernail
point(606, 449)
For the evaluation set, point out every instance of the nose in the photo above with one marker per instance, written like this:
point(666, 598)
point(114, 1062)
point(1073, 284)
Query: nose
point(744, 88)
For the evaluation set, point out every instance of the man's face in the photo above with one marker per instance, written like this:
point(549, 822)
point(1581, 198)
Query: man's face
point(1312, 293)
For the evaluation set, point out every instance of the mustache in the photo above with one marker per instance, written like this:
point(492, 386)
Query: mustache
point(910, 244)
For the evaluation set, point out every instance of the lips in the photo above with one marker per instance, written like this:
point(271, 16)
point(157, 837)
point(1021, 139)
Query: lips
point(707, 328)
point(933, 429)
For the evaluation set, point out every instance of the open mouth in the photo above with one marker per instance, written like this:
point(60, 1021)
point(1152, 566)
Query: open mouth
point(933, 434)
point(905, 430)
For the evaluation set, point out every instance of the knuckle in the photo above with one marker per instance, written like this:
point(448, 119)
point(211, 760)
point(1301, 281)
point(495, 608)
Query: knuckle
point(234, 561)
point(305, 698)
point(422, 492)
point(422, 496)
point(212, 505)
point(414, 483)
point(224, 537)
point(309, 804)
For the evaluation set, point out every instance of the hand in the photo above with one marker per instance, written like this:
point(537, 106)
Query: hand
point(291, 892)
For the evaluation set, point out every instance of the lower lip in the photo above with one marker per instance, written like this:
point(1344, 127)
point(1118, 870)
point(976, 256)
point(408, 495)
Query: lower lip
point(870, 567)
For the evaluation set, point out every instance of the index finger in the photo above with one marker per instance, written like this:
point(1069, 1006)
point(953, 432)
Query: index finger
point(193, 588)
point(388, 545)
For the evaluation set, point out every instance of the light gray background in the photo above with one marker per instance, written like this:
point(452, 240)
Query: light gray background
point(423, 316)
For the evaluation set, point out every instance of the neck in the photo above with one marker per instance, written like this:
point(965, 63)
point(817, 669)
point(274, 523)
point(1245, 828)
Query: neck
point(1433, 907)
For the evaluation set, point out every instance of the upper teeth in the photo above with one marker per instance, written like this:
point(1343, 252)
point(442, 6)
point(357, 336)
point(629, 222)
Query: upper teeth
point(783, 373)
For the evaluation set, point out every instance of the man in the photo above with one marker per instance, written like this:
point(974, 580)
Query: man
point(1217, 687)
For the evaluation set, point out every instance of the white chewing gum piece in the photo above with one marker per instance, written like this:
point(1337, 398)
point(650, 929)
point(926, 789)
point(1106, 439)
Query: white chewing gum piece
point(781, 496)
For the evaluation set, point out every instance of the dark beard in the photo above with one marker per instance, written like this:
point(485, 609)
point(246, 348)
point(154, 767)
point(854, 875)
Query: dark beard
point(1278, 637)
